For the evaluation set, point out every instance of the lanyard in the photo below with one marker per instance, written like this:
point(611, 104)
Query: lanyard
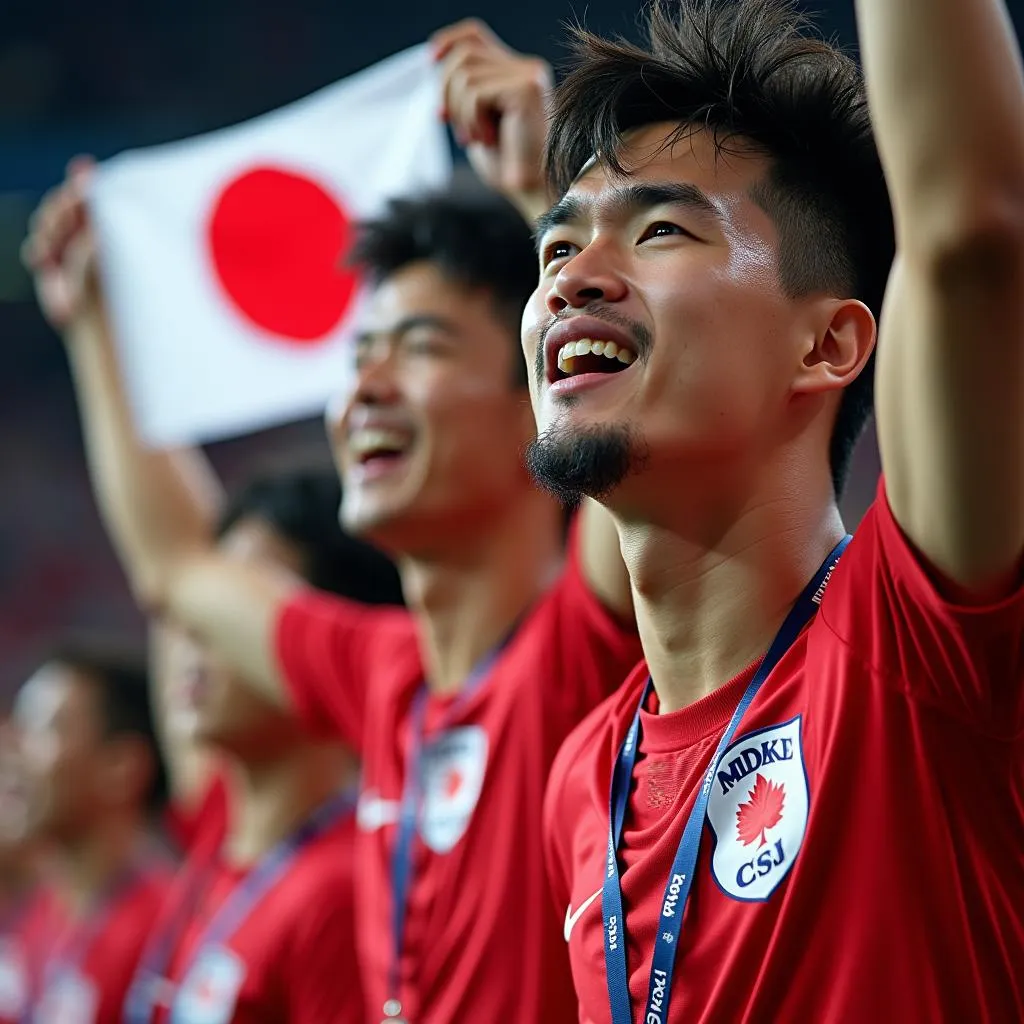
point(71, 949)
point(677, 890)
point(408, 817)
point(150, 978)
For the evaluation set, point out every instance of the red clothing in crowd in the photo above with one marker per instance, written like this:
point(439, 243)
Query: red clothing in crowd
point(79, 969)
point(290, 958)
point(480, 941)
point(14, 983)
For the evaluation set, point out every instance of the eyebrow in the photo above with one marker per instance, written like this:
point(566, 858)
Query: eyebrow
point(630, 199)
point(409, 323)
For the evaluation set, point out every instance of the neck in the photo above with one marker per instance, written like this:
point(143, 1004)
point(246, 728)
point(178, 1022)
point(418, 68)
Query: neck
point(271, 799)
point(712, 589)
point(86, 867)
point(467, 599)
point(16, 878)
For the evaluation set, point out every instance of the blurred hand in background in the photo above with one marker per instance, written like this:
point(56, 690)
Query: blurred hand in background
point(496, 101)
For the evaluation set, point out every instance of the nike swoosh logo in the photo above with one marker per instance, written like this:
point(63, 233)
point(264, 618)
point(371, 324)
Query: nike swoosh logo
point(571, 918)
point(373, 813)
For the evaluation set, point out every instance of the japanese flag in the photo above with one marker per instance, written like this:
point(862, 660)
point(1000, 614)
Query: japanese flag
point(223, 255)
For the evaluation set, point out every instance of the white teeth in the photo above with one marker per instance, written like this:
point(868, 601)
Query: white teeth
point(374, 439)
point(587, 346)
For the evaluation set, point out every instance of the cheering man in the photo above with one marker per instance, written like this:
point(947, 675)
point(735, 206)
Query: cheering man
point(832, 830)
point(458, 709)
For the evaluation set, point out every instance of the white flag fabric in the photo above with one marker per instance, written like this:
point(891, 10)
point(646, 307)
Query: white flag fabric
point(222, 255)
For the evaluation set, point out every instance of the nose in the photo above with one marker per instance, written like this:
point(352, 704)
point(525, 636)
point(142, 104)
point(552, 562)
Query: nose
point(591, 275)
point(373, 381)
point(375, 375)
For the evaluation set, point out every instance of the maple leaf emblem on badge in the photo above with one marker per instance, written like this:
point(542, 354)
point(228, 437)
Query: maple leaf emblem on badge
point(762, 811)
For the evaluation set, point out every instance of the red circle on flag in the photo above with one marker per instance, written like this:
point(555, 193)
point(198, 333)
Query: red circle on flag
point(278, 242)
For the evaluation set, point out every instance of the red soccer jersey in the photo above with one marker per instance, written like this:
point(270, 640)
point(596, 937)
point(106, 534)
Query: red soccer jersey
point(480, 941)
point(92, 989)
point(205, 822)
point(863, 854)
point(291, 959)
point(14, 980)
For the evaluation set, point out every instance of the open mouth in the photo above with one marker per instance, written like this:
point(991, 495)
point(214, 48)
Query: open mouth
point(589, 355)
point(377, 450)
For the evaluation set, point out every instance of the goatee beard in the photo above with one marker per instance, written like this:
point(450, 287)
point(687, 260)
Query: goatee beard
point(588, 463)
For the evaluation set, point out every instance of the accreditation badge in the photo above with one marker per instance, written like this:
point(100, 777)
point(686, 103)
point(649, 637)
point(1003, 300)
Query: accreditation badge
point(13, 981)
point(209, 993)
point(69, 998)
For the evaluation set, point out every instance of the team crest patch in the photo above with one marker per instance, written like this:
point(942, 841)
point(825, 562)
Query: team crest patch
point(453, 768)
point(13, 981)
point(757, 809)
point(70, 998)
point(209, 993)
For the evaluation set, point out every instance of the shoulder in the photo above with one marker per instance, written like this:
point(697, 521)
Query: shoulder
point(320, 880)
point(584, 760)
point(313, 610)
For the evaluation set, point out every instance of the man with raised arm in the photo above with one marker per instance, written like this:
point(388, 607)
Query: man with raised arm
point(808, 804)
point(459, 709)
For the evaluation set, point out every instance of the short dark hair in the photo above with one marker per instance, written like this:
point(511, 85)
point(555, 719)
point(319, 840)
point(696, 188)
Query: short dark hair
point(751, 73)
point(302, 507)
point(476, 238)
point(117, 673)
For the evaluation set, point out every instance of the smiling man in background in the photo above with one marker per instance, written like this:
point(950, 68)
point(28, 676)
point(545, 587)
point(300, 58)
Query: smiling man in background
point(458, 709)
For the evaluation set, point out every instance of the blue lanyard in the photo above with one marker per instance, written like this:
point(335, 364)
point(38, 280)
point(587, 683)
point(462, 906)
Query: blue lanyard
point(677, 891)
point(71, 952)
point(408, 817)
point(142, 1000)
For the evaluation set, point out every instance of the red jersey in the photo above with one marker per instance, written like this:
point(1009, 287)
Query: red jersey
point(79, 971)
point(206, 822)
point(290, 959)
point(863, 854)
point(14, 980)
point(480, 941)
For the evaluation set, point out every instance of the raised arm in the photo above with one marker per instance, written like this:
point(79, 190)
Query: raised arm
point(947, 103)
point(496, 102)
point(159, 507)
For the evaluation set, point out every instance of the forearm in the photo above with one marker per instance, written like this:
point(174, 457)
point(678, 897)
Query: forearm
point(158, 506)
point(947, 104)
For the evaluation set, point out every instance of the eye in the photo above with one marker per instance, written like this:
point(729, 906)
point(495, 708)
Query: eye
point(422, 341)
point(555, 251)
point(663, 229)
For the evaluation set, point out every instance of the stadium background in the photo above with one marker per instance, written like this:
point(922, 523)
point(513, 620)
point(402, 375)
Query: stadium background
point(106, 75)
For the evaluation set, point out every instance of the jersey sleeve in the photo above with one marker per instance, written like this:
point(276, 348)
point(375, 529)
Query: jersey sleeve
point(554, 831)
point(593, 649)
point(965, 660)
point(329, 650)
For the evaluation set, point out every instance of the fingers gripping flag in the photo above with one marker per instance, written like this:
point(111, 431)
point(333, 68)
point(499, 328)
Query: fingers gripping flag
point(223, 256)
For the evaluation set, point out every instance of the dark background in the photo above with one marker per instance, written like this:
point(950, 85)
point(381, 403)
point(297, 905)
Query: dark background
point(103, 76)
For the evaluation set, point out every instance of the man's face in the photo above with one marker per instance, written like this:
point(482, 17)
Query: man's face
point(675, 266)
point(63, 757)
point(428, 441)
point(207, 701)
